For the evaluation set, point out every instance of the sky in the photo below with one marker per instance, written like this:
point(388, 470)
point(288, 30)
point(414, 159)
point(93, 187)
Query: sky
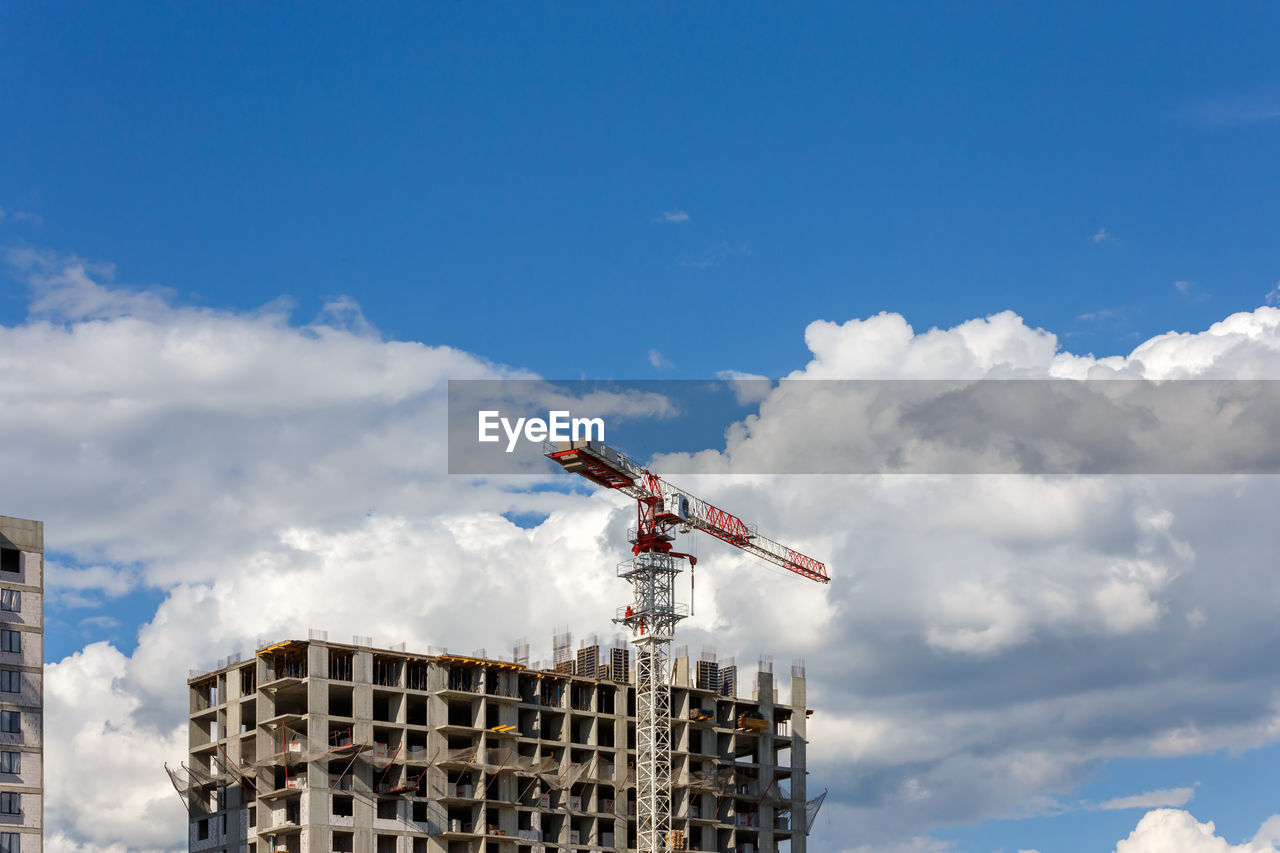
point(244, 248)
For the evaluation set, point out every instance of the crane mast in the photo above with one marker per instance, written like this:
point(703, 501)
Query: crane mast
point(652, 615)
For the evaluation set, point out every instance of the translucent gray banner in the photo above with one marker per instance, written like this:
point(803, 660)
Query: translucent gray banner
point(755, 426)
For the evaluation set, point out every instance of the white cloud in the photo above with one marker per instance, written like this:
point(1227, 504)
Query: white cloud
point(345, 313)
point(1168, 830)
point(224, 457)
point(984, 641)
point(913, 845)
point(748, 388)
point(1191, 290)
point(100, 622)
point(1151, 799)
point(1100, 315)
point(677, 217)
point(885, 346)
point(110, 580)
point(21, 216)
point(71, 289)
point(101, 782)
point(657, 360)
point(955, 601)
point(1269, 833)
point(1101, 236)
point(60, 842)
point(717, 253)
point(1236, 110)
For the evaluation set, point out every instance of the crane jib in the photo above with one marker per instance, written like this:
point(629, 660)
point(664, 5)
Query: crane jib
point(610, 469)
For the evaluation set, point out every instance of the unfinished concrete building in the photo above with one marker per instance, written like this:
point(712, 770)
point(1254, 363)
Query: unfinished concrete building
point(21, 685)
point(314, 746)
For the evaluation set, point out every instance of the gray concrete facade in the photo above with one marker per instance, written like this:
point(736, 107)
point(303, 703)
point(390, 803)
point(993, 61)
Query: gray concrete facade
point(317, 746)
point(21, 685)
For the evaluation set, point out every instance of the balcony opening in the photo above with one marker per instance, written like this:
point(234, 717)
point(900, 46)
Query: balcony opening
point(340, 700)
point(341, 665)
point(248, 680)
point(386, 672)
point(416, 711)
point(416, 675)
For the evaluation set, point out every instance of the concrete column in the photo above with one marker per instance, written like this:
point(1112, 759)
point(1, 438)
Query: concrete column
point(314, 809)
point(364, 808)
point(765, 757)
point(799, 789)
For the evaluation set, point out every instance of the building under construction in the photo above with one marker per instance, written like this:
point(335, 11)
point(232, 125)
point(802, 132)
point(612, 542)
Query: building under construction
point(315, 746)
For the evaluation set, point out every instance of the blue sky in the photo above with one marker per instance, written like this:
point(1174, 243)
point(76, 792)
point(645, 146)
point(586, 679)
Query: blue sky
point(660, 191)
point(940, 161)
point(1077, 826)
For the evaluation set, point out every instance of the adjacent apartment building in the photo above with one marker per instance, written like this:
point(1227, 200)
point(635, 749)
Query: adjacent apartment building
point(315, 746)
point(21, 685)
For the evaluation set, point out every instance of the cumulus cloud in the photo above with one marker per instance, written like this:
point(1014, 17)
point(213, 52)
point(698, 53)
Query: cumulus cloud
point(1165, 830)
point(190, 422)
point(111, 581)
point(101, 784)
point(985, 631)
point(873, 413)
point(985, 643)
point(90, 586)
point(268, 477)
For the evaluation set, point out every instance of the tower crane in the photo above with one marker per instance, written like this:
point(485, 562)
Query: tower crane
point(661, 509)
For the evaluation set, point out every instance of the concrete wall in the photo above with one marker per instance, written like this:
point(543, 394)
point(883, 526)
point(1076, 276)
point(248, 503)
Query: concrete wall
point(22, 533)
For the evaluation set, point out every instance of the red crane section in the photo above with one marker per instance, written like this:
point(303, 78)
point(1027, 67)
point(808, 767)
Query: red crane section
point(663, 505)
